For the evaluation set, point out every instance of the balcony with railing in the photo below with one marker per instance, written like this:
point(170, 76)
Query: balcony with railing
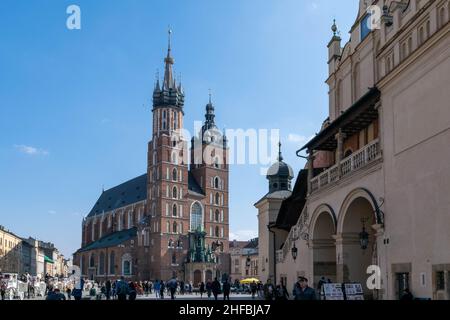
point(355, 162)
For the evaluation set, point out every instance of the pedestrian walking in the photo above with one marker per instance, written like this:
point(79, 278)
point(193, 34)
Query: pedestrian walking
point(215, 287)
point(69, 293)
point(202, 289)
point(253, 289)
point(132, 291)
point(162, 288)
point(269, 290)
point(122, 289)
point(77, 292)
point(108, 290)
point(226, 290)
point(173, 285)
point(281, 293)
point(157, 288)
point(208, 288)
point(302, 291)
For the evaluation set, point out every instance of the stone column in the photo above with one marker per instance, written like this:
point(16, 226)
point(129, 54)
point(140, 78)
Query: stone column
point(310, 170)
point(340, 152)
point(379, 108)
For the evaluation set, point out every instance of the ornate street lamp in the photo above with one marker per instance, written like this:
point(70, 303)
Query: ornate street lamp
point(248, 261)
point(294, 252)
point(364, 236)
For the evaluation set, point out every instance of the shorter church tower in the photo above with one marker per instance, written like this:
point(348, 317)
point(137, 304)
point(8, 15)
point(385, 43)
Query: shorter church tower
point(280, 175)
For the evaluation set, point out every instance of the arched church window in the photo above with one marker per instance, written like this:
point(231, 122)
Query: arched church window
point(175, 120)
point(174, 174)
point(196, 217)
point(112, 263)
point(175, 193)
point(216, 182)
point(217, 216)
point(126, 267)
point(217, 199)
point(174, 227)
point(174, 210)
point(102, 264)
point(92, 261)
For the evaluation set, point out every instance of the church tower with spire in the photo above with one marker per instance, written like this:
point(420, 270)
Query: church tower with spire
point(167, 174)
point(183, 201)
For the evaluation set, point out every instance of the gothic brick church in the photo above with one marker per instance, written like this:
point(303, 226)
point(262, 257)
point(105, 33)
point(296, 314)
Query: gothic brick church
point(172, 221)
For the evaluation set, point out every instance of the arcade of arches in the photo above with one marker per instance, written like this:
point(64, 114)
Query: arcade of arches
point(337, 253)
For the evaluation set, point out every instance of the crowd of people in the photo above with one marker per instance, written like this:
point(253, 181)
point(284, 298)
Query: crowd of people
point(55, 288)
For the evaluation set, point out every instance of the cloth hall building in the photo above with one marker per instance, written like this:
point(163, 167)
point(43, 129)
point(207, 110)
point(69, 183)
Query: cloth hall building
point(376, 188)
point(172, 221)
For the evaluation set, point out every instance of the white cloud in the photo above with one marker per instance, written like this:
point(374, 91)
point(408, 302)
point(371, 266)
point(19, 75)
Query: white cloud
point(243, 235)
point(33, 151)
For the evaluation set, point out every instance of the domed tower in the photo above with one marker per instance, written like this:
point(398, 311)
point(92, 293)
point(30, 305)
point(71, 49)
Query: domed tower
point(280, 174)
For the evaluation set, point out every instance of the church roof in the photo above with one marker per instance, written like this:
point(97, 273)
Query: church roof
point(193, 186)
point(111, 240)
point(132, 191)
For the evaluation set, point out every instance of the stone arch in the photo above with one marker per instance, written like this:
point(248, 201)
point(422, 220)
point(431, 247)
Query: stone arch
point(323, 208)
point(359, 215)
point(359, 193)
point(323, 244)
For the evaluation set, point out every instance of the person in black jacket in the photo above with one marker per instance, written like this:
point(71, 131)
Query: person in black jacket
point(202, 289)
point(407, 295)
point(302, 291)
point(226, 290)
point(215, 288)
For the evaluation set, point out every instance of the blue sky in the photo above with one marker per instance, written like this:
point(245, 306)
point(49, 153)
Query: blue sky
point(75, 104)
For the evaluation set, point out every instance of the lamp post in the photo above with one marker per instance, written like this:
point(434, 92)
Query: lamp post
point(294, 252)
point(363, 235)
point(248, 263)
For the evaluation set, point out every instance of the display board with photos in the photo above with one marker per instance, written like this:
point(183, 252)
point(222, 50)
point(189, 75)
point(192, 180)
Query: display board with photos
point(354, 291)
point(332, 291)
